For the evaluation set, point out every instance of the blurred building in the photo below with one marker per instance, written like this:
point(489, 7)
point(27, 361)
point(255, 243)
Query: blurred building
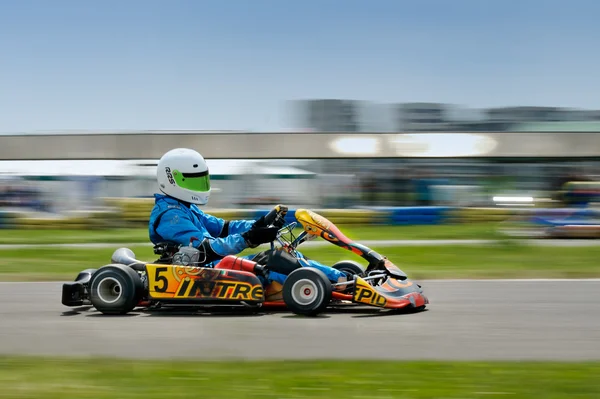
point(528, 114)
point(327, 115)
point(566, 126)
point(377, 118)
point(338, 115)
point(586, 115)
point(414, 117)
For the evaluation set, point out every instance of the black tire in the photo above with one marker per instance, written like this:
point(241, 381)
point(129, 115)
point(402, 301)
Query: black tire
point(349, 266)
point(307, 291)
point(115, 289)
point(84, 276)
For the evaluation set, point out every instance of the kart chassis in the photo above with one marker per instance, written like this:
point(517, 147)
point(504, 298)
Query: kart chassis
point(127, 283)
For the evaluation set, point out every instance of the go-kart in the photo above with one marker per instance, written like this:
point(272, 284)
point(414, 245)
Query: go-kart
point(179, 277)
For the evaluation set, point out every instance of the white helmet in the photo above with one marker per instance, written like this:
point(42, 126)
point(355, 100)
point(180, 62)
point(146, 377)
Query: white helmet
point(183, 174)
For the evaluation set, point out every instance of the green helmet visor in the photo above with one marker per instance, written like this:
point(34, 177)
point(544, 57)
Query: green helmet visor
point(193, 181)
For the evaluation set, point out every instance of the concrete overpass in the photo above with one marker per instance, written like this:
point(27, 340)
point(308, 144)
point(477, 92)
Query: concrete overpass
point(243, 145)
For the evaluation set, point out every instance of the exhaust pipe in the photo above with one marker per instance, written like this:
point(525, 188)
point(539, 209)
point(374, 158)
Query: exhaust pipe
point(124, 256)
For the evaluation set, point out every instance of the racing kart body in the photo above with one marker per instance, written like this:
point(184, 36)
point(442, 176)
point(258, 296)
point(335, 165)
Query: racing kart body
point(178, 278)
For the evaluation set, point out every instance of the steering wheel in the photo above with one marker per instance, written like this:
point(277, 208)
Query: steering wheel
point(276, 213)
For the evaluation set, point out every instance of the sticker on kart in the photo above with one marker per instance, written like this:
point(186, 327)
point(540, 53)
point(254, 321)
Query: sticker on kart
point(365, 293)
point(181, 282)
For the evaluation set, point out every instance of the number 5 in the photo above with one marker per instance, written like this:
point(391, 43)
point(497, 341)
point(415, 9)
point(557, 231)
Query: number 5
point(162, 279)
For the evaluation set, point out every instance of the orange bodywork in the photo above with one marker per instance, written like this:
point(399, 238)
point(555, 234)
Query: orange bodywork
point(317, 225)
point(182, 282)
point(369, 295)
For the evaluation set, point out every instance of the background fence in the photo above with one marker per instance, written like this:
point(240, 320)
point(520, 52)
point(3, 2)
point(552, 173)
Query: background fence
point(134, 212)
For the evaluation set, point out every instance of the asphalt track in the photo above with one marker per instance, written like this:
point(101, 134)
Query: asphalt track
point(477, 320)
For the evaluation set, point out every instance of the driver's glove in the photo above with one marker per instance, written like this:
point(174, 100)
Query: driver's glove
point(279, 223)
point(260, 235)
point(260, 222)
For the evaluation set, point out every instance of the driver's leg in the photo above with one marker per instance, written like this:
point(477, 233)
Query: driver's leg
point(286, 261)
point(272, 282)
point(261, 259)
point(334, 275)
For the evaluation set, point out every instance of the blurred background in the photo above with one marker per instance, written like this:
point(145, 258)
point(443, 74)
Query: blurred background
point(329, 105)
point(534, 161)
point(431, 123)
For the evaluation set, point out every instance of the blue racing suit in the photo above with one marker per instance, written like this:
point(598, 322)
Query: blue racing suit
point(176, 222)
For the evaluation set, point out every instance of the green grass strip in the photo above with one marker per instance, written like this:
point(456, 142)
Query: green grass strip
point(51, 378)
point(356, 232)
point(503, 260)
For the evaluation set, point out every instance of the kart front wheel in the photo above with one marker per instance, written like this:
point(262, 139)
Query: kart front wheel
point(350, 267)
point(115, 289)
point(307, 291)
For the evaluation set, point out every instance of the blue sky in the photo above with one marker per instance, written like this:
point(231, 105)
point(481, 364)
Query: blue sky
point(232, 64)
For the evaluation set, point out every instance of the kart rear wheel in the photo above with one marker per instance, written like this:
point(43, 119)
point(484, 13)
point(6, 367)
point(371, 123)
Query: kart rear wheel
point(115, 289)
point(84, 276)
point(307, 291)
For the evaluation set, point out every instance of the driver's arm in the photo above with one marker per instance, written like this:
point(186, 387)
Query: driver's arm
point(218, 227)
point(175, 225)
